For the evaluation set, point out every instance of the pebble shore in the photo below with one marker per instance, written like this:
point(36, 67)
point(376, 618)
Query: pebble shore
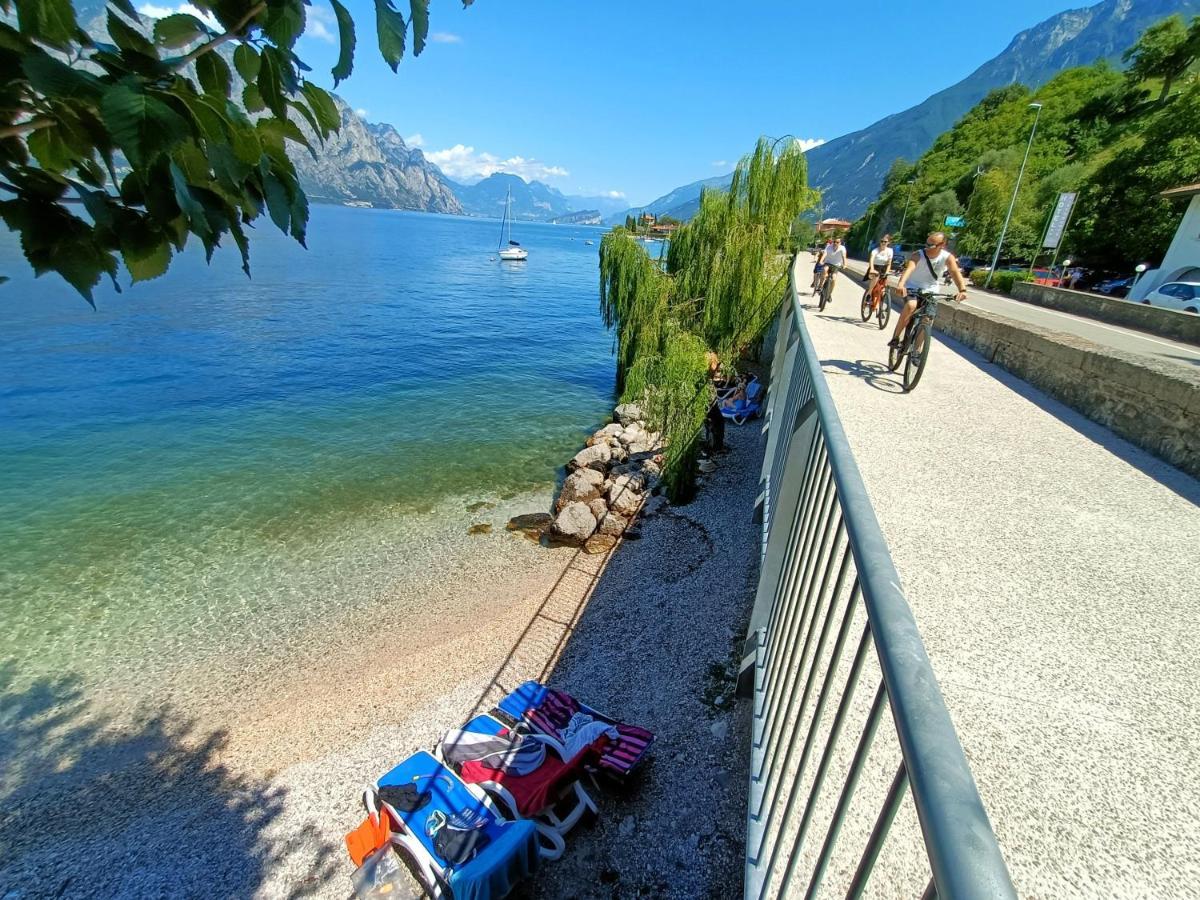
point(245, 786)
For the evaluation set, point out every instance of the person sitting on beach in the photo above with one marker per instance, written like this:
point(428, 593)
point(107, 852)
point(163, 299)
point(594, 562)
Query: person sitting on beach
point(738, 396)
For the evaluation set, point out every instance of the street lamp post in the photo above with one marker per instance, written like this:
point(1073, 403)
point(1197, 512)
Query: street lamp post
point(904, 217)
point(1016, 188)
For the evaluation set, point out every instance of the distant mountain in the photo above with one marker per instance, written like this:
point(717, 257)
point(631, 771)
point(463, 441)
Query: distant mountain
point(532, 200)
point(582, 217)
point(371, 163)
point(684, 200)
point(851, 168)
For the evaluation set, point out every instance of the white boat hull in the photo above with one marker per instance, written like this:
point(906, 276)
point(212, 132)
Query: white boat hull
point(514, 254)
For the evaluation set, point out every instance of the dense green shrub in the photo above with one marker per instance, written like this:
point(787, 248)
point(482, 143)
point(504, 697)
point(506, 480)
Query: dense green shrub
point(1003, 280)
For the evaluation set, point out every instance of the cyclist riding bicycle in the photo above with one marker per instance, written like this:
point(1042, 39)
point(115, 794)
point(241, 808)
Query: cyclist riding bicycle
point(923, 272)
point(880, 261)
point(832, 256)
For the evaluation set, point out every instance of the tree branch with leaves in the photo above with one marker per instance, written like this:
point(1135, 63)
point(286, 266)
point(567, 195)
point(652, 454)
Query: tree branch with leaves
point(146, 129)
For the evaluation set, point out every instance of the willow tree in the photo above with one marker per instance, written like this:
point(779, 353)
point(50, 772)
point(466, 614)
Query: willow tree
point(723, 283)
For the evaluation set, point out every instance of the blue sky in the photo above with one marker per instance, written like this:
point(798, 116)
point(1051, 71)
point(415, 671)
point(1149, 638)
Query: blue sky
point(639, 98)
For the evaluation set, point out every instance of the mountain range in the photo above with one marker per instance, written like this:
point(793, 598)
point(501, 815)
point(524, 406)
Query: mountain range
point(531, 200)
point(851, 168)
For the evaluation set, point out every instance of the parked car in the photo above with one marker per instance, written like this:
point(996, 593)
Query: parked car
point(1181, 295)
point(1115, 287)
point(966, 265)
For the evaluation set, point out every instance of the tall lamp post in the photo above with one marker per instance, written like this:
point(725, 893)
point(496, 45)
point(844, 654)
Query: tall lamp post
point(904, 217)
point(1016, 188)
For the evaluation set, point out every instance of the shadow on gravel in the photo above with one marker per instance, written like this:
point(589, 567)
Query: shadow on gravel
point(656, 643)
point(876, 374)
point(1164, 473)
point(90, 808)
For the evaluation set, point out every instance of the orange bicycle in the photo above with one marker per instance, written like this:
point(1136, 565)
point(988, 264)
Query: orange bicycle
point(875, 302)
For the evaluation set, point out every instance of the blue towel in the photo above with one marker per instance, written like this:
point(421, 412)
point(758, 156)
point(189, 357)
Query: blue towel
point(511, 851)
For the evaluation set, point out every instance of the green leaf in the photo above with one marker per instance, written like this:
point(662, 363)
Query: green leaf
point(50, 150)
point(54, 78)
point(279, 204)
point(143, 126)
point(418, 15)
point(299, 216)
point(270, 87)
point(128, 38)
point(247, 62)
point(243, 137)
point(208, 115)
point(214, 75)
point(345, 63)
point(144, 266)
point(252, 99)
point(390, 27)
point(285, 21)
point(188, 204)
point(307, 115)
point(179, 30)
point(49, 21)
point(323, 107)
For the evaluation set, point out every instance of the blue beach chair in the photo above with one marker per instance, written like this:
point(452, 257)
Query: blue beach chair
point(503, 851)
point(743, 410)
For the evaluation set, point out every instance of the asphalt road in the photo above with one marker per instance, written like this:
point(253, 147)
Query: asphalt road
point(1051, 567)
point(1101, 333)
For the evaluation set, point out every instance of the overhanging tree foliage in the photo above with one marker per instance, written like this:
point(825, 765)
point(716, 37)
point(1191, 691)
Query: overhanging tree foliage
point(722, 285)
point(144, 128)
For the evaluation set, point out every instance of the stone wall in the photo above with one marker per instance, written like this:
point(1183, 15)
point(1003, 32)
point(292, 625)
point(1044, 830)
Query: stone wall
point(1169, 323)
point(1153, 404)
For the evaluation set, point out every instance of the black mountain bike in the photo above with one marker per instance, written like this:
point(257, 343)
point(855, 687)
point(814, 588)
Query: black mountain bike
point(827, 287)
point(916, 340)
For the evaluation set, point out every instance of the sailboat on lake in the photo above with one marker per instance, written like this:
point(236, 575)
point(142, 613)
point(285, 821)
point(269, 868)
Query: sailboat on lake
point(510, 251)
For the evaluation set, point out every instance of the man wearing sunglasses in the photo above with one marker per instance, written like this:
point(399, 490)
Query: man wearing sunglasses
point(831, 258)
point(923, 272)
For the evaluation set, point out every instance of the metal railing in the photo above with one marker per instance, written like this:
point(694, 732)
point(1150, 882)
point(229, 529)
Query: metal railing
point(830, 614)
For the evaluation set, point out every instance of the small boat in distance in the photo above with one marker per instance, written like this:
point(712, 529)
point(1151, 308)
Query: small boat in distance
point(513, 252)
point(589, 243)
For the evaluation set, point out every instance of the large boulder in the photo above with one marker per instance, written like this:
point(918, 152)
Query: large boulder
point(574, 524)
point(632, 435)
point(613, 524)
point(625, 495)
point(582, 485)
point(599, 508)
point(628, 413)
point(599, 543)
point(533, 525)
point(595, 457)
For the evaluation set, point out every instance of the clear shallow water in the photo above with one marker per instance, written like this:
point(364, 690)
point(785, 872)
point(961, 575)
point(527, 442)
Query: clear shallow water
point(206, 453)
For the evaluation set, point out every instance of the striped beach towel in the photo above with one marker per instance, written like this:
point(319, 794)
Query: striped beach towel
point(553, 715)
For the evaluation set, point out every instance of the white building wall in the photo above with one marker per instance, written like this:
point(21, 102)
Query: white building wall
point(1182, 256)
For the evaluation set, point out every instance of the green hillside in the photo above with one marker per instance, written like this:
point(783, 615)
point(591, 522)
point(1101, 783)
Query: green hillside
point(1115, 138)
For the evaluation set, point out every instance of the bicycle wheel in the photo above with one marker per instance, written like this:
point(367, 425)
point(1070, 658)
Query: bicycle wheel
point(918, 355)
point(885, 310)
point(864, 309)
point(827, 291)
point(896, 354)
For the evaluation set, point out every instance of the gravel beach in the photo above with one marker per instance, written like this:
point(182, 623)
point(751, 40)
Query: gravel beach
point(239, 775)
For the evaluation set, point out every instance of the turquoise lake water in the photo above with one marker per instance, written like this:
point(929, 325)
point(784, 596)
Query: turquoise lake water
point(203, 448)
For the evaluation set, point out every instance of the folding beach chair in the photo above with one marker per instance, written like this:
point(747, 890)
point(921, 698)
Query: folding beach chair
point(456, 841)
point(554, 713)
point(546, 791)
point(743, 410)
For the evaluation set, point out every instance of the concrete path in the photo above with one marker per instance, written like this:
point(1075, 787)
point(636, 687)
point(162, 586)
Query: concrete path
point(1101, 333)
point(1052, 568)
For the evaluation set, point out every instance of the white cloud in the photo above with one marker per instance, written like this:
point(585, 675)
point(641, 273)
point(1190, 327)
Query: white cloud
point(416, 140)
point(719, 163)
point(807, 144)
point(154, 11)
point(614, 195)
point(362, 113)
point(444, 37)
point(460, 161)
point(320, 24)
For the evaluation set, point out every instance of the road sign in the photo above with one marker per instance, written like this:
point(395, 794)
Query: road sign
point(955, 221)
point(1058, 221)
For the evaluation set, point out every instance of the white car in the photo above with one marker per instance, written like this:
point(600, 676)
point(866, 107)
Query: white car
point(1181, 295)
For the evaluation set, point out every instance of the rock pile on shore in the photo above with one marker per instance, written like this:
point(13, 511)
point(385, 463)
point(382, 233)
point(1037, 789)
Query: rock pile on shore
point(608, 481)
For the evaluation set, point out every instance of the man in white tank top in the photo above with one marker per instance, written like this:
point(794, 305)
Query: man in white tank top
point(923, 272)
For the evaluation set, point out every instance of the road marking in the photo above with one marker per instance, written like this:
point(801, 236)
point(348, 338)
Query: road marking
point(1126, 331)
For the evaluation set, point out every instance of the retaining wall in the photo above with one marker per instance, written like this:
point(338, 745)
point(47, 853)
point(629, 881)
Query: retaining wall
point(1169, 323)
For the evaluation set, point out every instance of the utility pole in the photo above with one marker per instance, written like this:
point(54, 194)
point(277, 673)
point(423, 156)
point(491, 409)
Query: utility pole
point(1016, 188)
point(904, 217)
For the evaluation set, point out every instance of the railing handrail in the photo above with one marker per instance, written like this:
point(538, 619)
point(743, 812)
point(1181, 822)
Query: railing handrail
point(964, 856)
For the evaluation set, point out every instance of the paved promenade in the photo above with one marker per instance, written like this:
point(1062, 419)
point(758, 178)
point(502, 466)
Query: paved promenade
point(1052, 569)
